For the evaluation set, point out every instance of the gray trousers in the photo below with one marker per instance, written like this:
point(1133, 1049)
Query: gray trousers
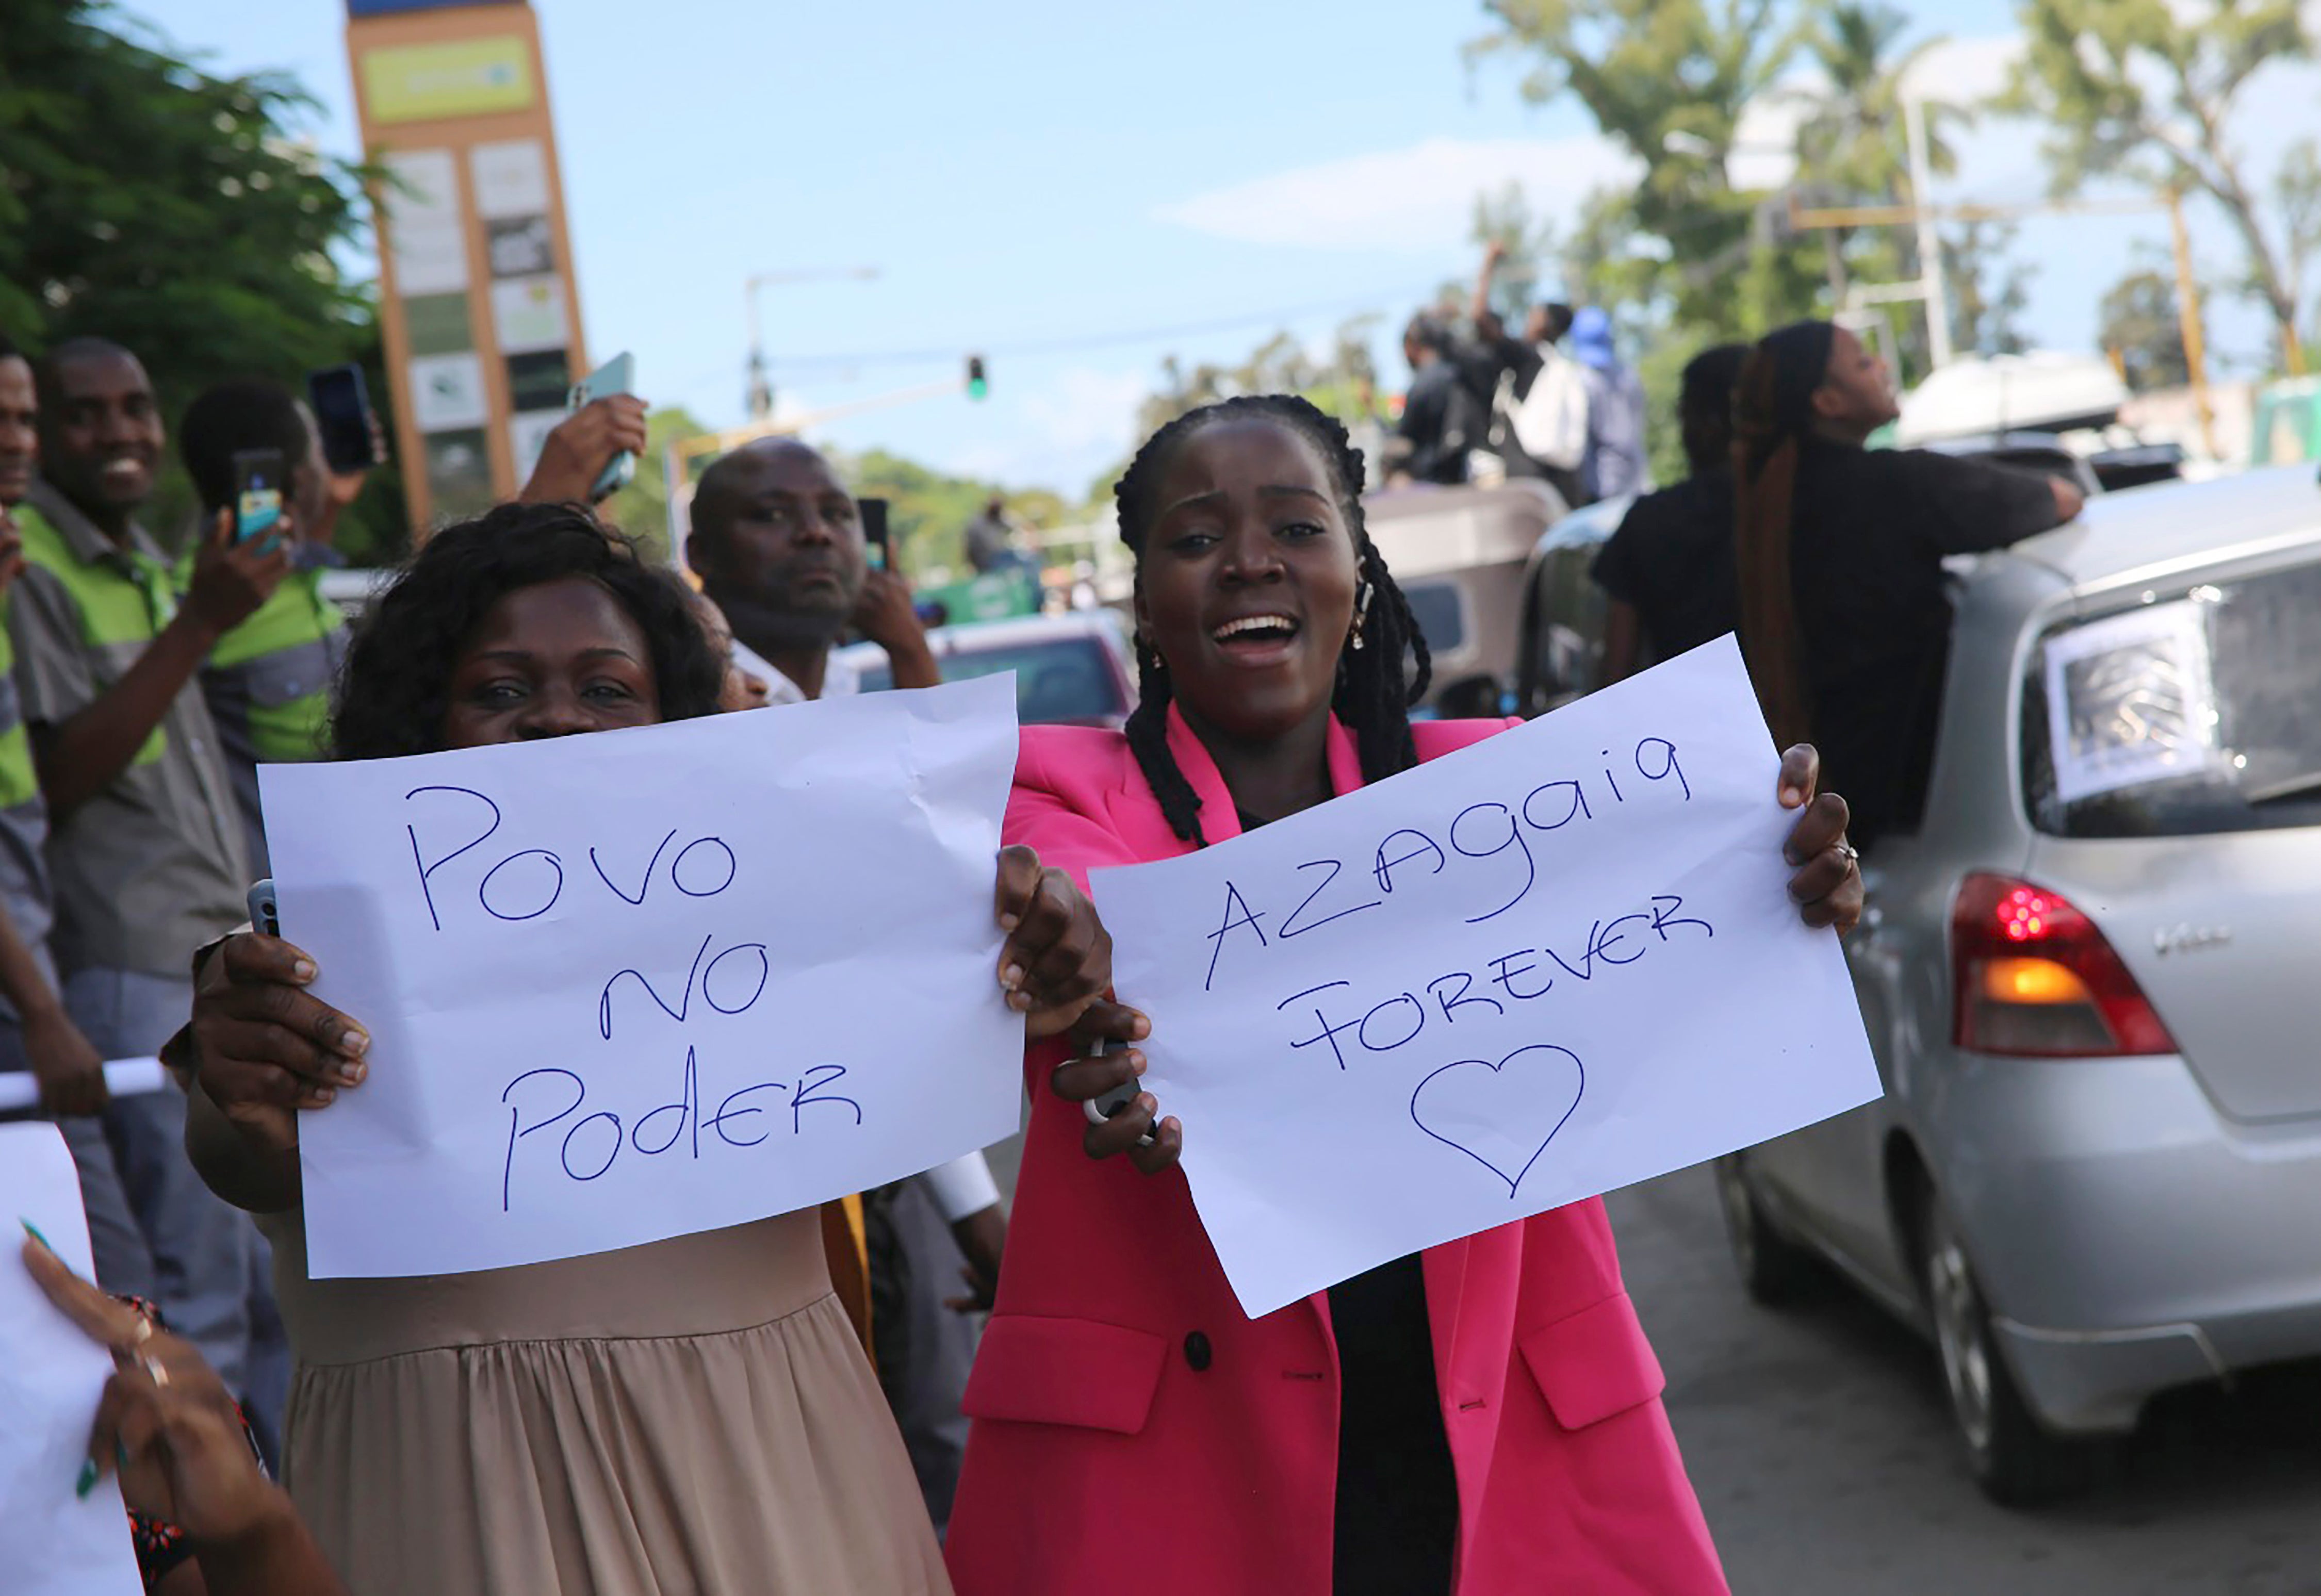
point(203, 1259)
point(925, 1349)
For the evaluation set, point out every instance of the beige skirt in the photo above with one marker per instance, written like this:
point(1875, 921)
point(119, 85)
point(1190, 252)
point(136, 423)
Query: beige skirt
point(693, 1417)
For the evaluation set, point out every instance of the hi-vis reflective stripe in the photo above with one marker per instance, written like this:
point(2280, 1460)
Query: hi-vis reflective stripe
point(288, 694)
point(294, 614)
point(120, 615)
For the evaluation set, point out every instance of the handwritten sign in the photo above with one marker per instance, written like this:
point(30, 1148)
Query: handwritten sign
point(52, 1542)
point(1554, 964)
point(642, 983)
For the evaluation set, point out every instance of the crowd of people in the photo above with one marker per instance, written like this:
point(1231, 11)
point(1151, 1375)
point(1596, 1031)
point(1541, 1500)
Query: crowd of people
point(1553, 404)
point(707, 1413)
point(1823, 554)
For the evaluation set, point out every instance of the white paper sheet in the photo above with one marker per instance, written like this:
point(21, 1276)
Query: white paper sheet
point(124, 1077)
point(642, 983)
point(1554, 964)
point(51, 1375)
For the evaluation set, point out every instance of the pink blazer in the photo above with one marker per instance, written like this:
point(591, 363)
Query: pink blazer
point(1136, 1436)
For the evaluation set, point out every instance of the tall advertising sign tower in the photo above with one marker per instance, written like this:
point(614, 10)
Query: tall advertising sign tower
point(479, 305)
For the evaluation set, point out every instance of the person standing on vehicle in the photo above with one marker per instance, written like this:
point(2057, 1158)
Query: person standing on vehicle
point(1614, 464)
point(1537, 394)
point(1843, 615)
point(1442, 421)
point(1668, 571)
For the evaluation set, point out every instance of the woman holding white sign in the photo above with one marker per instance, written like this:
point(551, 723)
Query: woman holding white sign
point(692, 1414)
point(1484, 1416)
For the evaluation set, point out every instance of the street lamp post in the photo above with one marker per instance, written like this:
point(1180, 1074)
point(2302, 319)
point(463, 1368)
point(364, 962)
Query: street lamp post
point(761, 387)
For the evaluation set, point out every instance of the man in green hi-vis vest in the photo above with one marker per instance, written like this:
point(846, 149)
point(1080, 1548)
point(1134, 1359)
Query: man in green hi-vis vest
point(145, 845)
point(268, 680)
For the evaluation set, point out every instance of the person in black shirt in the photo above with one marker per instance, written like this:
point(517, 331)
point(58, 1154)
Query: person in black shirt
point(1669, 569)
point(1441, 420)
point(1844, 618)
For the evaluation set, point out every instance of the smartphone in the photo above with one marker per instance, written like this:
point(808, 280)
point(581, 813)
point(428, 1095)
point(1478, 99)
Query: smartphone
point(874, 534)
point(263, 916)
point(1100, 1108)
point(342, 416)
point(615, 376)
point(258, 496)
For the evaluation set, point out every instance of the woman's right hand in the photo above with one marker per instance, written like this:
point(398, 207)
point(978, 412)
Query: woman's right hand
point(1084, 1078)
point(266, 1046)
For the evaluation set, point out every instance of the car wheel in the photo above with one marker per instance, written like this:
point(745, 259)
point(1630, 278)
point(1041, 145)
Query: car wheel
point(1774, 1270)
point(2017, 1463)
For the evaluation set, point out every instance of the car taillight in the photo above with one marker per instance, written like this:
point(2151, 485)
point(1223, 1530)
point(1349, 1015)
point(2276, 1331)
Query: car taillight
point(2035, 978)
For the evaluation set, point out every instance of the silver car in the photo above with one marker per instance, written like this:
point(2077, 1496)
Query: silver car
point(2093, 983)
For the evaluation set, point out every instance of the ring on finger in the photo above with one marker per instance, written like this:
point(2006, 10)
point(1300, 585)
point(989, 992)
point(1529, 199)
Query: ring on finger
point(160, 1375)
point(1847, 852)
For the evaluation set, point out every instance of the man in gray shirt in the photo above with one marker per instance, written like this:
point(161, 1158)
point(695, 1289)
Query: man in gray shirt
point(145, 845)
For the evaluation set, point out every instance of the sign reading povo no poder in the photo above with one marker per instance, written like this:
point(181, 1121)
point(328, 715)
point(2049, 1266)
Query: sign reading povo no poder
point(1550, 965)
point(642, 983)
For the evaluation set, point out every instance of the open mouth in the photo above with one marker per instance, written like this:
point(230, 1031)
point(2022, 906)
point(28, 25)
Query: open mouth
point(123, 469)
point(1256, 637)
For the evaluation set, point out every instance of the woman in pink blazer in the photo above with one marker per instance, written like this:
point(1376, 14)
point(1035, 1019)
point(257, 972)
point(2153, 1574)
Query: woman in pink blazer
point(1483, 1418)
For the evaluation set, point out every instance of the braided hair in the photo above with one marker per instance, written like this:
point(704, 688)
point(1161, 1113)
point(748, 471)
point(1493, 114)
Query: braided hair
point(1374, 693)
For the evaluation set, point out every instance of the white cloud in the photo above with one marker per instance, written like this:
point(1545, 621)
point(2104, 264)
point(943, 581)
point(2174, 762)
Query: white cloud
point(1420, 198)
point(1963, 71)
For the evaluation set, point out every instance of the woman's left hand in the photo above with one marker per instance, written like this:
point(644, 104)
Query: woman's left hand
point(1827, 884)
point(1058, 957)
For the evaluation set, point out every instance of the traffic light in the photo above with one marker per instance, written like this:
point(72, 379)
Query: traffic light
point(977, 386)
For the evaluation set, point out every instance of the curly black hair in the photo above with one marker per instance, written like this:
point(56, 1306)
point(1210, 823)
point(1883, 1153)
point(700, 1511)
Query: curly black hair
point(396, 686)
point(1375, 690)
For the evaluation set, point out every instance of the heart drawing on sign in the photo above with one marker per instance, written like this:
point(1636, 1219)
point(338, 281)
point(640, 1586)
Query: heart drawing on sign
point(1502, 1118)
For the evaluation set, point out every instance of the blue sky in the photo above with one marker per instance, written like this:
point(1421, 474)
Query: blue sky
point(1060, 172)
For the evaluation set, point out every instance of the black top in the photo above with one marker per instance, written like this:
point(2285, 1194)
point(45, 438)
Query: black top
point(1398, 1506)
point(1442, 421)
point(1868, 533)
point(1397, 1512)
point(1672, 560)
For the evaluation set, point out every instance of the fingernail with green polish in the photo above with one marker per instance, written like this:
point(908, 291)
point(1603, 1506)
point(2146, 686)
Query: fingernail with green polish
point(33, 1231)
point(88, 1481)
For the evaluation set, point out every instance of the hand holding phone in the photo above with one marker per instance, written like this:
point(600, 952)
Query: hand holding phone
point(876, 545)
point(258, 496)
point(263, 917)
point(615, 376)
point(351, 438)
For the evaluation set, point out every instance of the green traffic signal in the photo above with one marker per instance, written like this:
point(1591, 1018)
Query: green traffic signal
point(976, 385)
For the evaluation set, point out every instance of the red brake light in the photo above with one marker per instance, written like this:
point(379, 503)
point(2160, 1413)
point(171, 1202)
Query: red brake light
point(2033, 978)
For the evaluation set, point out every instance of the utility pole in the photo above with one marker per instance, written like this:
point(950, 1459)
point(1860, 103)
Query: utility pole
point(760, 396)
point(1930, 243)
point(2187, 320)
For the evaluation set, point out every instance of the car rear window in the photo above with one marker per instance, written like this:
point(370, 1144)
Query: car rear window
point(1442, 619)
point(1062, 681)
point(2190, 713)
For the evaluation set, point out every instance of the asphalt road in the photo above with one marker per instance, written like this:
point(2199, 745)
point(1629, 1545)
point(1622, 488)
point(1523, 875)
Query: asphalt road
point(1819, 1444)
